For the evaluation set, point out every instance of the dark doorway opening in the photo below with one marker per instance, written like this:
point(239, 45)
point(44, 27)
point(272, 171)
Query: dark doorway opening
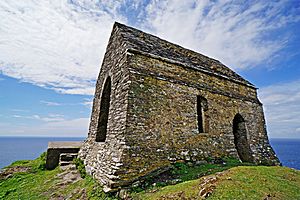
point(104, 111)
point(240, 139)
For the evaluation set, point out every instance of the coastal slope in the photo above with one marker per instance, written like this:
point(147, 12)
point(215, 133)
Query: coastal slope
point(29, 180)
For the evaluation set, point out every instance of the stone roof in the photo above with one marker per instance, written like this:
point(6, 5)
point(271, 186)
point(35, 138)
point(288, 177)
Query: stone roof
point(64, 145)
point(137, 41)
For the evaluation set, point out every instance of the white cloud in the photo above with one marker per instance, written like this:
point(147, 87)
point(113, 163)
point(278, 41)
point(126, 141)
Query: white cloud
point(19, 110)
point(74, 127)
point(55, 44)
point(233, 32)
point(53, 118)
point(282, 108)
point(48, 118)
point(60, 44)
point(50, 103)
point(88, 103)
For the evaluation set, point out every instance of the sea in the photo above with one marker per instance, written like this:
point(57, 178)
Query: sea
point(28, 148)
point(288, 151)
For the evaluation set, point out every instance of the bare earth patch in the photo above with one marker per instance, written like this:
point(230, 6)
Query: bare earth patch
point(8, 172)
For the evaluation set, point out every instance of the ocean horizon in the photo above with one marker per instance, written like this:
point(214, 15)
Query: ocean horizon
point(28, 148)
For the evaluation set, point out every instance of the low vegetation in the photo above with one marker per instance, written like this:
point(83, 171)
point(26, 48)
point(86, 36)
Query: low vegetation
point(28, 179)
point(181, 171)
point(244, 182)
point(217, 179)
point(80, 167)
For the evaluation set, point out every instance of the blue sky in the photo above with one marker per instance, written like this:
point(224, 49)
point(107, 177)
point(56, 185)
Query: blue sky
point(51, 52)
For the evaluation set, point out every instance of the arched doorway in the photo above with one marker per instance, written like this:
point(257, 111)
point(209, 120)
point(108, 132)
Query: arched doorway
point(240, 139)
point(104, 111)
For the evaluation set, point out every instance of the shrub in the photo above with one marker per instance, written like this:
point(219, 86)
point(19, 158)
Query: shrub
point(42, 163)
point(80, 167)
point(38, 164)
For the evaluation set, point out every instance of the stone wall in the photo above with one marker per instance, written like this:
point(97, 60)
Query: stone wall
point(102, 159)
point(152, 118)
point(162, 118)
point(56, 149)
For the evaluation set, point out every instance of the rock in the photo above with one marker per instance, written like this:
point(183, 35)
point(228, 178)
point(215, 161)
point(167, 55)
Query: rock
point(68, 176)
point(201, 162)
point(124, 194)
point(8, 172)
point(175, 181)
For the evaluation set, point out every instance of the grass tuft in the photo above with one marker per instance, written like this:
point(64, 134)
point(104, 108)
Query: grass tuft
point(80, 167)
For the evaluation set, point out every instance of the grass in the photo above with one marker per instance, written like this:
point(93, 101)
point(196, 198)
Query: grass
point(258, 183)
point(180, 172)
point(243, 182)
point(185, 172)
point(188, 187)
point(80, 167)
point(35, 165)
point(236, 182)
point(38, 183)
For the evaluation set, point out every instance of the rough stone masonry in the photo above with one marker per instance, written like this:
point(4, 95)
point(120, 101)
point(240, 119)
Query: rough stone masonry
point(157, 103)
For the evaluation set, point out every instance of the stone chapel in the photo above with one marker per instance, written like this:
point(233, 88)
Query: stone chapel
point(156, 103)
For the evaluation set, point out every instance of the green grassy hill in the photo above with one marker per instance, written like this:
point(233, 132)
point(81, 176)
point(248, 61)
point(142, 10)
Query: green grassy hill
point(243, 182)
point(228, 180)
point(28, 179)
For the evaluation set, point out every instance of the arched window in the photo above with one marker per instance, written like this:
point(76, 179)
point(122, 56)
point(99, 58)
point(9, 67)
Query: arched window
point(104, 111)
point(201, 108)
point(240, 139)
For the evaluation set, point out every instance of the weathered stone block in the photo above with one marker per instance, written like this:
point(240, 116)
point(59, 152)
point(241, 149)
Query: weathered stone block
point(56, 149)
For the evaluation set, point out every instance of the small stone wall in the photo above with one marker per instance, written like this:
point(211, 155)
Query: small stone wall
point(56, 149)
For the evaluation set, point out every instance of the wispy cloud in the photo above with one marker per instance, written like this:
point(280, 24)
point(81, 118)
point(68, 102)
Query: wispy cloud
point(48, 118)
point(88, 103)
point(19, 110)
point(55, 44)
point(237, 33)
point(50, 103)
point(282, 108)
point(73, 127)
point(60, 44)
